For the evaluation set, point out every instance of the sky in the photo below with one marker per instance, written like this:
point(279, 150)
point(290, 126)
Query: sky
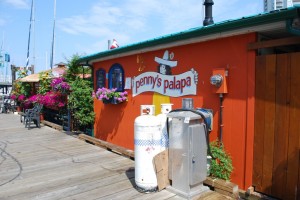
point(84, 27)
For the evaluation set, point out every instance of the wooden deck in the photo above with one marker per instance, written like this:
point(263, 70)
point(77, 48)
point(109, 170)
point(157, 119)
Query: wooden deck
point(48, 164)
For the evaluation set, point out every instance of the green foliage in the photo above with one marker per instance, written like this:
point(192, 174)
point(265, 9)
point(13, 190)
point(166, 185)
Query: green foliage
point(22, 88)
point(81, 102)
point(221, 167)
point(44, 84)
point(74, 68)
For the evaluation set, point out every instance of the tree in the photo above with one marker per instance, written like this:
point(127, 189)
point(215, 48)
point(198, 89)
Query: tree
point(80, 99)
point(81, 102)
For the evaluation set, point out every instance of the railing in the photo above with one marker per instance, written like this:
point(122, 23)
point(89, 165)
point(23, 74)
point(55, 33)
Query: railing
point(53, 115)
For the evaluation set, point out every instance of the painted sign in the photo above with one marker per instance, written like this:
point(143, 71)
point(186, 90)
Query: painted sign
point(168, 85)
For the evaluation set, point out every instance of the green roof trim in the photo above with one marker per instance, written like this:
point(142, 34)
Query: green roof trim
point(228, 25)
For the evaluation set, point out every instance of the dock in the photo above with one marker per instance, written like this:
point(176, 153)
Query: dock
point(44, 163)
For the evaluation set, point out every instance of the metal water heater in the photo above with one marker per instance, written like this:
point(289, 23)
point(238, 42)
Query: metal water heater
point(187, 153)
point(147, 143)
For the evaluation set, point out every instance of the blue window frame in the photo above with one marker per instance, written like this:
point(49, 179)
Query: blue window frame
point(100, 78)
point(116, 77)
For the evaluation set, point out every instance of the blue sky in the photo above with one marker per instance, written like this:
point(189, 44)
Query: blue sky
point(85, 26)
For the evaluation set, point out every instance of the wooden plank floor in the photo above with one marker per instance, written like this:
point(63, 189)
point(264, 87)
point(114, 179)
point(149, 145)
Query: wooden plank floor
point(43, 163)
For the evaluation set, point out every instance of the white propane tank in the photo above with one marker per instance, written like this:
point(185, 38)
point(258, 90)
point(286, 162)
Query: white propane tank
point(147, 140)
point(165, 109)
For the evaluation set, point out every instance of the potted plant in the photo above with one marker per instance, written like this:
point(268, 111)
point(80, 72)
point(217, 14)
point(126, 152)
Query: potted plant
point(221, 164)
point(110, 95)
point(21, 101)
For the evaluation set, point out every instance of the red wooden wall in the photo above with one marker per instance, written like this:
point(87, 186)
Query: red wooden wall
point(115, 123)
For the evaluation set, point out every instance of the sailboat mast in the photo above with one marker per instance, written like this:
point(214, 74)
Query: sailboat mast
point(1, 53)
point(33, 28)
point(28, 47)
point(53, 38)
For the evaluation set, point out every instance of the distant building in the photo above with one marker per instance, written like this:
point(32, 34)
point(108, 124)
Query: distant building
point(296, 2)
point(270, 5)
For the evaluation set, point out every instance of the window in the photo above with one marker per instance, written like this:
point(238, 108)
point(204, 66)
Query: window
point(116, 77)
point(100, 78)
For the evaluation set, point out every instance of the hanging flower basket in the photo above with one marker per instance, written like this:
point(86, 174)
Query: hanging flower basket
point(106, 101)
point(115, 101)
point(108, 96)
point(111, 101)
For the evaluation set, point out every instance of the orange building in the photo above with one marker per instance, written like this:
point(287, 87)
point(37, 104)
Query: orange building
point(242, 50)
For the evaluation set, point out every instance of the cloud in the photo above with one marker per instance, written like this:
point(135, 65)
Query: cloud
point(134, 16)
point(133, 21)
point(94, 24)
point(19, 4)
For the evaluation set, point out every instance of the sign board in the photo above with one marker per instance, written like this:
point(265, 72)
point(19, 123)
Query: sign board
point(168, 85)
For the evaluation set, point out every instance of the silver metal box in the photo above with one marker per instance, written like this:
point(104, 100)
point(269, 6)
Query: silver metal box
point(187, 153)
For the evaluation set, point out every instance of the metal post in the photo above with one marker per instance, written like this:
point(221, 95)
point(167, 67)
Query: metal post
point(208, 12)
point(221, 118)
point(108, 44)
point(53, 38)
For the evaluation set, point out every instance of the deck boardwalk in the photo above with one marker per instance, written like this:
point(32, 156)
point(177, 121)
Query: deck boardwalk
point(43, 163)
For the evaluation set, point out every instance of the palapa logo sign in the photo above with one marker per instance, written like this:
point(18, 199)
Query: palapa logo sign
point(164, 82)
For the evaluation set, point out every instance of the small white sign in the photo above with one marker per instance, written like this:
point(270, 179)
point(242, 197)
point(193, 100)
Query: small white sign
point(127, 83)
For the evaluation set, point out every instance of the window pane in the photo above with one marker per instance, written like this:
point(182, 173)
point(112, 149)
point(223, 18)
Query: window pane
point(100, 78)
point(116, 77)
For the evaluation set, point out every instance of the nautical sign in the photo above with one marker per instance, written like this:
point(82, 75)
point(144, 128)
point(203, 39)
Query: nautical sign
point(168, 85)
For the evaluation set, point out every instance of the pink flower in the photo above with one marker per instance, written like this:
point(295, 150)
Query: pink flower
point(21, 97)
point(52, 99)
point(105, 93)
point(59, 84)
point(37, 98)
point(13, 97)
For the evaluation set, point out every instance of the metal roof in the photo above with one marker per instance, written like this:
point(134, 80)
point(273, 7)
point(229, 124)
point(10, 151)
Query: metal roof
point(267, 22)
